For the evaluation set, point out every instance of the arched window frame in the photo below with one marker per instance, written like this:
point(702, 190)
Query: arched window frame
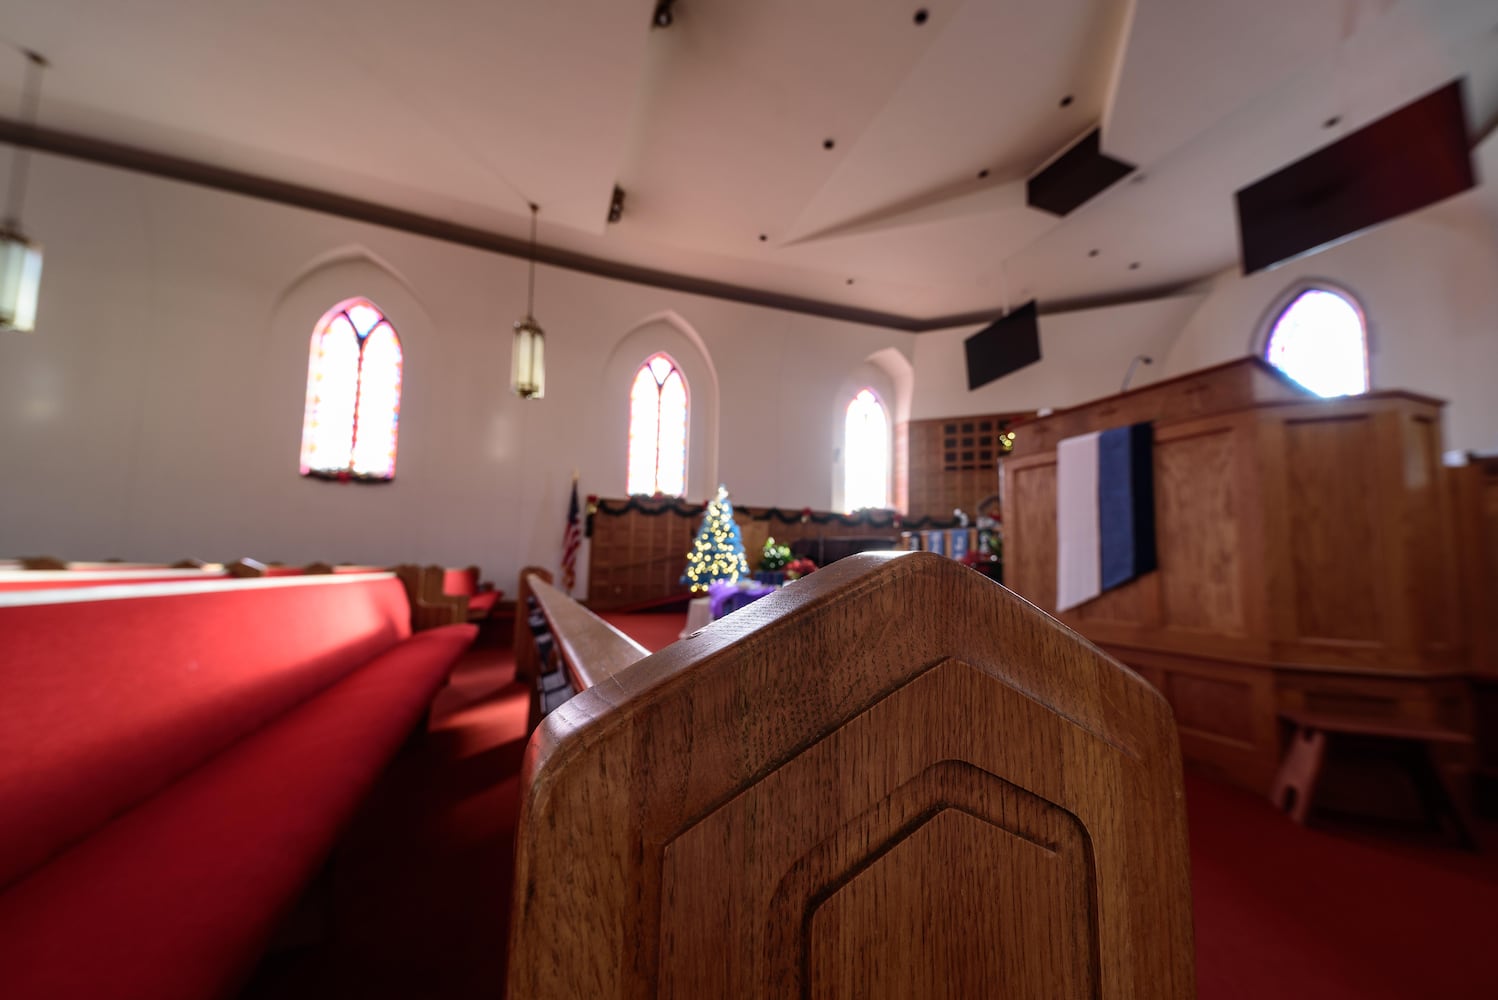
point(686, 425)
point(1259, 344)
point(847, 451)
point(349, 470)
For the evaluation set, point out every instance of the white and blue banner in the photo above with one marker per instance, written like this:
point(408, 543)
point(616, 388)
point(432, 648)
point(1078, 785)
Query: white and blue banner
point(1105, 512)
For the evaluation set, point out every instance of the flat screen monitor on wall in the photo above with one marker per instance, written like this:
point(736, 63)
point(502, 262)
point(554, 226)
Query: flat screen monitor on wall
point(1005, 345)
point(1408, 159)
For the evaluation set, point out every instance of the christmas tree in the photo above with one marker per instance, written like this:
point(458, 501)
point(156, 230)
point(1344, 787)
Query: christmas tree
point(718, 550)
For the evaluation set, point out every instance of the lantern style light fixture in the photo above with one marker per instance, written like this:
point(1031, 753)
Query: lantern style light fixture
point(528, 356)
point(20, 259)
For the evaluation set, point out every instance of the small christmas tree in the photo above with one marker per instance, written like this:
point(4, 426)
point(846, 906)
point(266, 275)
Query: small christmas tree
point(718, 550)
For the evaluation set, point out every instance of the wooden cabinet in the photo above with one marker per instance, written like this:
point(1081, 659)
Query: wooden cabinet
point(950, 463)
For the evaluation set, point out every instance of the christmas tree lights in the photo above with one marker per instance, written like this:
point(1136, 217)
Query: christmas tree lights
point(718, 550)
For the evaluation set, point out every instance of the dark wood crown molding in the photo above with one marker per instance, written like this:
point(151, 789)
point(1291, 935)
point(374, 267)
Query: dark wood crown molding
point(111, 154)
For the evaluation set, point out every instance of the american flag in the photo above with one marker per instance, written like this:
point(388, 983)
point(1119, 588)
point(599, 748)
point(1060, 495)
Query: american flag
point(571, 539)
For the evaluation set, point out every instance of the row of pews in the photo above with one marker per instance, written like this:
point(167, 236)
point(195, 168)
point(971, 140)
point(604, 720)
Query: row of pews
point(179, 753)
point(438, 595)
point(893, 778)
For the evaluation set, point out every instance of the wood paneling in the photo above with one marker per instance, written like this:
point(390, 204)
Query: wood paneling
point(925, 901)
point(1225, 388)
point(1304, 544)
point(892, 778)
point(1476, 508)
point(1332, 540)
point(1200, 546)
point(1030, 529)
point(1430, 589)
point(1212, 705)
point(1225, 712)
point(638, 557)
point(954, 462)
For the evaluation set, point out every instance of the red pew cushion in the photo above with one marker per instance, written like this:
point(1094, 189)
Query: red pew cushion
point(458, 582)
point(176, 898)
point(482, 604)
point(103, 702)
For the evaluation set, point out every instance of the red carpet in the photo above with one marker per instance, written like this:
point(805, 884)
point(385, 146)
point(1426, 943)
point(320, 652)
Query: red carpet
point(654, 630)
point(421, 887)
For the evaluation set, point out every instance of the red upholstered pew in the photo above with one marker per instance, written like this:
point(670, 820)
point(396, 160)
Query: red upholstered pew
point(442, 596)
point(68, 578)
point(176, 761)
point(465, 583)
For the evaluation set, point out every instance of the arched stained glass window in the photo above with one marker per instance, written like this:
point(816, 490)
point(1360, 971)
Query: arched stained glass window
point(658, 428)
point(353, 395)
point(865, 453)
point(1319, 339)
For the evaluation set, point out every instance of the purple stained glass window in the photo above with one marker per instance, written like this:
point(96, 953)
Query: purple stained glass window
point(353, 395)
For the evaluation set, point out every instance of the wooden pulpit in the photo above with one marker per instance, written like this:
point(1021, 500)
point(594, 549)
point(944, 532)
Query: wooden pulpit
point(1306, 558)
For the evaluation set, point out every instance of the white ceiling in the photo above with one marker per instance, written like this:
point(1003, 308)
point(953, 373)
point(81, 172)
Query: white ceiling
point(466, 109)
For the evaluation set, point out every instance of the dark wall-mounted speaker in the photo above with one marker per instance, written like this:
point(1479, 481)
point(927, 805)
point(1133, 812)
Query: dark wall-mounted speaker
point(1081, 173)
point(1005, 345)
point(1406, 160)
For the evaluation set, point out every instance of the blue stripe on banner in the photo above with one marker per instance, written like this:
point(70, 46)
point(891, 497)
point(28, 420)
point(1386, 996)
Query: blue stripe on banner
point(1142, 473)
point(1116, 522)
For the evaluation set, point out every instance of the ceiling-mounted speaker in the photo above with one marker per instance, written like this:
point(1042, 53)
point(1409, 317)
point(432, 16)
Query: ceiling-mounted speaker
point(1075, 177)
point(1408, 159)
point(1006, 345)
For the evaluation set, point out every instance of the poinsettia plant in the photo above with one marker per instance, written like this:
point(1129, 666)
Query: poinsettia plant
point(799, 568)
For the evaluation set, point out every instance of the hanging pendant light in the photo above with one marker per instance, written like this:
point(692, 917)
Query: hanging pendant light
point(20, 259)
point(528, 356)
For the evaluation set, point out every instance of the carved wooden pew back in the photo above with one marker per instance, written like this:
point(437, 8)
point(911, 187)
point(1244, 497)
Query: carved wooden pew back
point(893, 778)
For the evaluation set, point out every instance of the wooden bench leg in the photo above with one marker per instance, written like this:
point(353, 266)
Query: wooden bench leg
point(1295, 783)
point(1435, 797)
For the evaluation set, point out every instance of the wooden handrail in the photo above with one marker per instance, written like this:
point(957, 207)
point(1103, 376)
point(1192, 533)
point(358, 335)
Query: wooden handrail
point(593, 651)
point(891, 778)
point(524, 644)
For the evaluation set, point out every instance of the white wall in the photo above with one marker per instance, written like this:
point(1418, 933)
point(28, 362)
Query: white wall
point(156, 413)
point(1428, 284)
point(1084, 355)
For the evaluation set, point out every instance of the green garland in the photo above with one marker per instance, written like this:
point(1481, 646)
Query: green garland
point(653, 507)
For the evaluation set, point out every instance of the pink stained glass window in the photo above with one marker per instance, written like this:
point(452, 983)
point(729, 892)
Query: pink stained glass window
point(352, 416)
point(658, 429)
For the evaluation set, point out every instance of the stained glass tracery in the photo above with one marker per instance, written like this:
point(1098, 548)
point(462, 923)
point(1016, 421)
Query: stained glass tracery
point(352, 416)
point(658, 429)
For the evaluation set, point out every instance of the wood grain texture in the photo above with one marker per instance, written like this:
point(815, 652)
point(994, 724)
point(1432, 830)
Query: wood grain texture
point(1332, 539)
point(1030, 528)
point(954, 461)
point(1200, 550)
point(731, 816)
point(1225, 388)
point(1311, 540)
point(430, 607)
point(1475, 489)
point(638, 557)
point(593, 651)
point(527, 666)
